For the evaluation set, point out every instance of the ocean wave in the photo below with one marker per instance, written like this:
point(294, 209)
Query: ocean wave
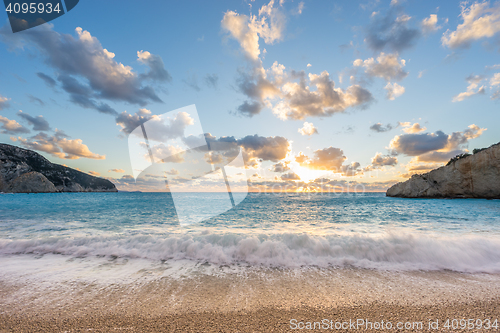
point(391, 252)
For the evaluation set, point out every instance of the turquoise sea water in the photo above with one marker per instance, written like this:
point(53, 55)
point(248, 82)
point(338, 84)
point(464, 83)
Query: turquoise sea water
point(366, 230)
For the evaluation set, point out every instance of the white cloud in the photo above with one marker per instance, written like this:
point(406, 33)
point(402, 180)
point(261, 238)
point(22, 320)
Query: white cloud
point(290, 94)
point(323, 159)
point(11, 126)
point(60, 146)
point(386, 66)
point(4, 102)
point(379, 128)
point(495, 80)
point(300, 8)
point(308, 129)
point(479, 21)
point(396, 2)
point(129, 122)
point(300, 102)
point(268, 25)
point(394, 90)
point(409, 128)
point(380, 160)
point(434, 147)
point(469, 93)
point(429, 24)
point(87, 71)
point(175, 154)
point(391, 32)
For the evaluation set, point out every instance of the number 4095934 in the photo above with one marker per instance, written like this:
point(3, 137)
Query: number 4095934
point(32, 8)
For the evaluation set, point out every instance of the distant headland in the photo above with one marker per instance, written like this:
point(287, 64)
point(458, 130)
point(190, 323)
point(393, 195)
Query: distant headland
point(465, 176)
point(25, 171)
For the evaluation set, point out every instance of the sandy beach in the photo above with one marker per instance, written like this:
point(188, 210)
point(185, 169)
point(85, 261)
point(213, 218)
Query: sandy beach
point(234, 299)
point(263, 320)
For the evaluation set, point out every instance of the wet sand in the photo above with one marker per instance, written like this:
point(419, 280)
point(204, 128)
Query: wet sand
point(223, 299)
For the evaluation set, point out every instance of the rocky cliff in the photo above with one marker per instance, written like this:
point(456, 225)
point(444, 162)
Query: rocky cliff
point(474, 176)
point(24, 171)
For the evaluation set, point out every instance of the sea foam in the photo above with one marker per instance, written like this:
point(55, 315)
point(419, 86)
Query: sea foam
point(471, 253)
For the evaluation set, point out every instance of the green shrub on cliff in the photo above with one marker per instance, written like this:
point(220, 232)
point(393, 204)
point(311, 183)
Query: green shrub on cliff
point(456, 158)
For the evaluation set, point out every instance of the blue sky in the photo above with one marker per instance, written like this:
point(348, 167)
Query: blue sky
point(362, 63)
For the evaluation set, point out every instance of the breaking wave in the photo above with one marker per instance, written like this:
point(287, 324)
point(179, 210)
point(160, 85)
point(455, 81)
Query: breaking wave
point(391, 252)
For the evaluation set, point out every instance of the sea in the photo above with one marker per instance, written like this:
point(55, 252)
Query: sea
point(273, 230)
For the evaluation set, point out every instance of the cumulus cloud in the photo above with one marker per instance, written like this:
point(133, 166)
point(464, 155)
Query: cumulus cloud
point(157, 71)
point(308, 129)
point(94, 173)
point(175, 154)
point(87, 71)
point(386, 66)
point(271, 149)
point(394, 90)
point(323, 159)
point(478, 84)
point(495, 80)
point(11, 127)
point(397, 2)
point(379, 128)
point(162, 129)
point(250, 109)
point(479, 21)
point(129, 122)
point(39, 123)
point(391, 32)
point(268, 25)
point(172, 172)
point(434, 147)
point(4, 102)
point(280, 167)
point(351, 170)
point(472, 89)
point(290, 176)
point(299, 101)
point(60, 146)
point(380, 160)
point(255, 148)
point(430, 24)
point(117, 170)
point(409, 128)
point(290, 94)
point(418, 144)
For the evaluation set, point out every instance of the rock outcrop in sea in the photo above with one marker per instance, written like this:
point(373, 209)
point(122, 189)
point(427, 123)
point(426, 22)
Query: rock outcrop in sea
point(473, 176)
point(25, 171)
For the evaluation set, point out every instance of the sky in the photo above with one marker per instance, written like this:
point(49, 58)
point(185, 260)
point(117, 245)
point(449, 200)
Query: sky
point(316, 95)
